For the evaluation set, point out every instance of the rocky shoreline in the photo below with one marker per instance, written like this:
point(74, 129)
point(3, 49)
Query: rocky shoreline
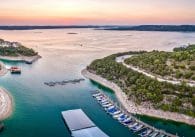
point(134, 108)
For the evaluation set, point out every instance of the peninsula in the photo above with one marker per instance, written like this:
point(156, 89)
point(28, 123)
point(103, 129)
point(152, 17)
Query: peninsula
point(145, 95)
point(15, 51)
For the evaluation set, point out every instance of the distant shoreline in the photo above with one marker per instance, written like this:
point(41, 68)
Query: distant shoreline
point(164, 28)
point(26, 59)
point(136, 109)
point(6, 104)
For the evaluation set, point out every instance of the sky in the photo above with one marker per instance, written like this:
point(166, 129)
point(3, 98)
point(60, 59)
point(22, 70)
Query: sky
point(96, 12)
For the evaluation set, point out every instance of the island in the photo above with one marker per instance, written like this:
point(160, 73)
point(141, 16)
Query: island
point(141, 92)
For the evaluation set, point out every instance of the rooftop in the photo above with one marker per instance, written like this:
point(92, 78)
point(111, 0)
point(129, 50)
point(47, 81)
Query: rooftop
point(80, 125)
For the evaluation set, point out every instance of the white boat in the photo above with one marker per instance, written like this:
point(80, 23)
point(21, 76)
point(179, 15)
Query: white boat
point(111, 107)
point(104, 103)
point(97, 94)
point(105, 100)
point(107, 105)
point(145, 133)
point(136, 128)
point(116, 116)
point(132, 125)
point(116, 112)
point(122, 117)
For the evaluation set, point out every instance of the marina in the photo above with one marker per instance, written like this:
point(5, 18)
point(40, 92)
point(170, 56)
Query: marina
point(64, 82)
point(135, 125)
point(80, 125)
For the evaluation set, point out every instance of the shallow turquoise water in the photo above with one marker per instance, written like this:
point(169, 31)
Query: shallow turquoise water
point(38, 107)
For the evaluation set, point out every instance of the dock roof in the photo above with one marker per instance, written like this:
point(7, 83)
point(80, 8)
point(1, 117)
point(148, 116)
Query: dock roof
point(80, 125)
point(76, 119)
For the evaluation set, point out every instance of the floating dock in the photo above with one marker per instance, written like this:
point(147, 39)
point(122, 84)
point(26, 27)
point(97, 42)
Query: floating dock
point(80, 125)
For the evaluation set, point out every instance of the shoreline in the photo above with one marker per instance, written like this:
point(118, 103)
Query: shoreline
point(3, 69)
point(26, 59)
point(6, 104)
point(131, 107)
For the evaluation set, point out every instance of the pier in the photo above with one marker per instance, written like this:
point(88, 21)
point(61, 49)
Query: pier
point(80, 125)
point(118, 112)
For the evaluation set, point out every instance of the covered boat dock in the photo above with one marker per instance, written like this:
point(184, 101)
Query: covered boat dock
point(80, 125)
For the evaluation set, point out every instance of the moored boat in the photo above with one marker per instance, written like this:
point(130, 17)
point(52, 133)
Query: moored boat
point(133, 125)
point(127, 119)
point(146, 133)
point(15, 70)
point(137, 128)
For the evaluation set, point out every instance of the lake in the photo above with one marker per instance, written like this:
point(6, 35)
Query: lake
point(37, 107)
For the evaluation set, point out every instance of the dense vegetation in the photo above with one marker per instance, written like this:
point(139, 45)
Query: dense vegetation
point(16, 50)
point(145, 90)
point(179, 64)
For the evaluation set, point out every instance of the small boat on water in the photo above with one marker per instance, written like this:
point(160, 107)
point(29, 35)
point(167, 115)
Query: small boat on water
point(137, 128)
point(107, 105)
point(133, 125)
point(104, 103)
point(117, 116)
point(127, 121)
point(122, 117)
point(15, 70)
point(98, 94)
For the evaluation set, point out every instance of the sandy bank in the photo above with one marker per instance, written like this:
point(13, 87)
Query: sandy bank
point(21, 58)
point(137, 109)
point(6, 104)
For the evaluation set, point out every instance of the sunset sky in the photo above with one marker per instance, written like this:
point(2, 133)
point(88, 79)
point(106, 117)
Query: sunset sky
point(96, 12)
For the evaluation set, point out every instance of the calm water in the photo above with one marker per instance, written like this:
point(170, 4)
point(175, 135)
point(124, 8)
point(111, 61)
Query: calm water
point(38, 107)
